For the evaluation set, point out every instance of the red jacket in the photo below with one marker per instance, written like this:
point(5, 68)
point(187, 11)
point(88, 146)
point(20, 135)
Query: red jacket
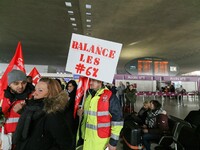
point(9, 101)
point(11, 116)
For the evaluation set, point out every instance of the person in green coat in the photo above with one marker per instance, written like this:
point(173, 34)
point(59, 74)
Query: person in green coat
point(131, 96)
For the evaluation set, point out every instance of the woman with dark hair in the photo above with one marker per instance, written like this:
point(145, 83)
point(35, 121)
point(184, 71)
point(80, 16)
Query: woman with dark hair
point(156, 124)
point(44, 123)
point(71, 89)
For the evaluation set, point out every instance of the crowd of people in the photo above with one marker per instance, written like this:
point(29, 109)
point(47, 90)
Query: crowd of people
point(41, 117)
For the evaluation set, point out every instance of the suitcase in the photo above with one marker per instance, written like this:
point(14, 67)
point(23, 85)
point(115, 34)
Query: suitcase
point(133, 117)
point(132, 136)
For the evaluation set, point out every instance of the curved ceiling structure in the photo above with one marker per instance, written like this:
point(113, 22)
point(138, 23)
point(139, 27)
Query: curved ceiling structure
point(155, 28)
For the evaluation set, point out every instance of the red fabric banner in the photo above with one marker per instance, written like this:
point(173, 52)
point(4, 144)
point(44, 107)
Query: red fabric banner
point(35, 75)
point(83, 86)
point(17, 62)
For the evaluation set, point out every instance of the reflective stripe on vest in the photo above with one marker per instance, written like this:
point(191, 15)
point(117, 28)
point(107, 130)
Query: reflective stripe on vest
point(117, 123)
point(115, 137)
point(93, 113)
point(101, 125)
point(12, 120)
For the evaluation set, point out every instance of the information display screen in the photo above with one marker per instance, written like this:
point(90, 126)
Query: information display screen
point(145, 67)
point(161, 67)
point(152, 66)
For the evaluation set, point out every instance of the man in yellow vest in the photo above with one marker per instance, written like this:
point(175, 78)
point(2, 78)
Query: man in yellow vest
point(102, 118)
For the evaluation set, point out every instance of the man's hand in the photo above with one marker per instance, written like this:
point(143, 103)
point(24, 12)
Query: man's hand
point(145, 130)
point(80, 112)
point(144, 126)
point(18, 106)
point(110, 147)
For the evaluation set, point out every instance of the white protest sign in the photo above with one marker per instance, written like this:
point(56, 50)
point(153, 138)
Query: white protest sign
point(93, 58)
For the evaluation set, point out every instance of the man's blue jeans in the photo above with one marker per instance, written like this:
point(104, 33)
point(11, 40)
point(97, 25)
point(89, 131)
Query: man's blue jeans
point(147, 138)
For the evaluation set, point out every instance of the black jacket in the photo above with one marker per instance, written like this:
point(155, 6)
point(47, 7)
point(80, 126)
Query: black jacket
point(71, 103)
point(44, 127)
point(142, 114)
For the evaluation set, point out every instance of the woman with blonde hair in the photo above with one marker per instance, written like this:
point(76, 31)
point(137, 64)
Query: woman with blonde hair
point(44, 123)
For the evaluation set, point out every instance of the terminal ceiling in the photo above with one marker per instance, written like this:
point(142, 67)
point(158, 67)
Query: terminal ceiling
point(168, 29)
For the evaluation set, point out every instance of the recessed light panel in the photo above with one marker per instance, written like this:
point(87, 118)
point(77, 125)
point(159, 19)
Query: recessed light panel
point(88, 13)
point(70, 12)
point(88, 20)
point(72, 19)
point(68, 4)
point(88, 6)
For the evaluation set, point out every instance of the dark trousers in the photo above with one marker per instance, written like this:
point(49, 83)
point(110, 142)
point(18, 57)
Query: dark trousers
point(148, 138)
point(121, 99)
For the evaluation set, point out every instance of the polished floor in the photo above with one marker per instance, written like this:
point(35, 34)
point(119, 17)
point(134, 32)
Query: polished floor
point(173, 107)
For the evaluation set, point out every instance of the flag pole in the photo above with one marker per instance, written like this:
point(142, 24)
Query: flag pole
point(85, 90)
point(83, 102)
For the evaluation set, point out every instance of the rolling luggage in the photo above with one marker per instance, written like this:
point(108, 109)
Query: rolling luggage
point(132, 136)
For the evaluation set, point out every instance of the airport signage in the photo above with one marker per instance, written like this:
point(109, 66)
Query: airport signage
point(157, 78)
point(93, 58)
point(178, 78)
point(134, 77)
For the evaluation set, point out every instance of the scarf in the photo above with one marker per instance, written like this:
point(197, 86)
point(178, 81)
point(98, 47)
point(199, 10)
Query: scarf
point(151, 117)
point(32, 111)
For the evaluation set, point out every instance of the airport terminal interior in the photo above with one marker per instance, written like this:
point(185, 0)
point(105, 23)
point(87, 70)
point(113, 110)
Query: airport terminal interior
point(150, 44)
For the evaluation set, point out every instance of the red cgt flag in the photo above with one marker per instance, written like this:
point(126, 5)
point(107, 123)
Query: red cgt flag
point(17, 62)
point(35, 75)
point(83, 86)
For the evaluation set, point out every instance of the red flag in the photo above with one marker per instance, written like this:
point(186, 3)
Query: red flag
point(83, 85)
point(17, 62)
point(35, 75)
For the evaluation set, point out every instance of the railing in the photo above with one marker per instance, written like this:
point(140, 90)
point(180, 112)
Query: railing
point(165, 94)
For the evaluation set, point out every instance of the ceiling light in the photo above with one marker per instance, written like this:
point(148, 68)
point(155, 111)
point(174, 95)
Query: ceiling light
point(75, 29)
point(72, 19)
point(88, 20)
point(70, 12)
point(74, 24)
point(88, 25)
point(134, 43)
point(88, 6)
point(88, 13)
point(68, 4)
point(197, 73)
